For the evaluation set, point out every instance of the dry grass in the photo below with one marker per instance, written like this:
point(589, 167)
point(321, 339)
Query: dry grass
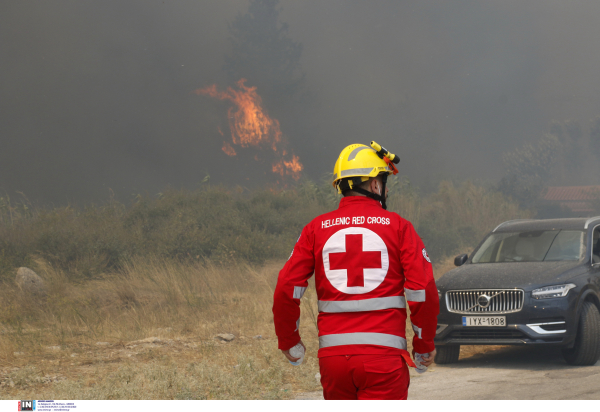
point(148, 332)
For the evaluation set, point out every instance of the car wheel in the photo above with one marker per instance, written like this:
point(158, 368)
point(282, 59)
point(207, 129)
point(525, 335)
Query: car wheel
point(587, 343)
point(447, 354)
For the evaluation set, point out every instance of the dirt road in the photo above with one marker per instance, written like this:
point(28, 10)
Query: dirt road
point(506, 373)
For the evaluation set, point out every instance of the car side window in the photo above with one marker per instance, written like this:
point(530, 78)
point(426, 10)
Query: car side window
point(596, 245)
point(567, 245)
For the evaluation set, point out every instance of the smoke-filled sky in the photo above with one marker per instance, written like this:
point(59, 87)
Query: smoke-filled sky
point(100, 94)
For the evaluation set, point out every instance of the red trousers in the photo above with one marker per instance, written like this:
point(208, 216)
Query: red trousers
point(364, 377)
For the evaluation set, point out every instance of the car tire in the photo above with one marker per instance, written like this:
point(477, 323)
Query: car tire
point(586, 350)
point(447, 354)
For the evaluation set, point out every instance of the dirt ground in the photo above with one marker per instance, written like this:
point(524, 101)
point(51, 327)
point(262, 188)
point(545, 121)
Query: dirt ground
point(107, 369)
point(158, 368)
point(487, 373)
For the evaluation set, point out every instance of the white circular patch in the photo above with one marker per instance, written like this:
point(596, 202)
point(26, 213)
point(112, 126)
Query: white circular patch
point(373, 276)
point(426, 256)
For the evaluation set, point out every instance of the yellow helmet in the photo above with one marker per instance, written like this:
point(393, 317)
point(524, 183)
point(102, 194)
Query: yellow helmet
point(364, 162)
point(358, 163)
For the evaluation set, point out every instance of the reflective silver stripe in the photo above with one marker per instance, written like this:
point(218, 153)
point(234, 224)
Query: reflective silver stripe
point(415, 295)
point(364, 305)
point(297, 324)
point(353, 153)
point(298, 291)
point(334, 176)
point(364, 171)
point(381, 339)
point(417, 330)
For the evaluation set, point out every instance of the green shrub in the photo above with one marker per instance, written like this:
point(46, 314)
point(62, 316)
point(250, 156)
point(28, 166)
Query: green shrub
point(224, 226)
point(211, 223)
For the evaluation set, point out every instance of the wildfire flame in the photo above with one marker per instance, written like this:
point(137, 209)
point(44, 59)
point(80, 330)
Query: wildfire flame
point(292, 167)
point(229, 151)
point(250, 125)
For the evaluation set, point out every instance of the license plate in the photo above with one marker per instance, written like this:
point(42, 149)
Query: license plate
point(484, 321)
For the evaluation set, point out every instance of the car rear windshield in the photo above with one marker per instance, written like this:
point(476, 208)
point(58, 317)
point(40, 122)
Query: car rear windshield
point(534, 246)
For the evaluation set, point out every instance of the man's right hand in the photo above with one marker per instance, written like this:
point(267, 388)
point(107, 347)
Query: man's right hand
point(428, 358)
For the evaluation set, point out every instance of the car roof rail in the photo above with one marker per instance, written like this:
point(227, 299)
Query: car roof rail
point(509, 221)
point(590, 220)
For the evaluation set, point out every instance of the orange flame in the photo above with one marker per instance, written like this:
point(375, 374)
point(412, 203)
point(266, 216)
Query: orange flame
point(250, 125)
point(291, 168)
point(229, 151)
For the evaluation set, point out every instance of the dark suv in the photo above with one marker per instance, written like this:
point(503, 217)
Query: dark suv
point(529, 282)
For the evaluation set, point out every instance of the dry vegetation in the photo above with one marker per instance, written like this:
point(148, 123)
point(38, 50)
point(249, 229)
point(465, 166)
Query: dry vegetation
point(148, 332)
point(134, 302)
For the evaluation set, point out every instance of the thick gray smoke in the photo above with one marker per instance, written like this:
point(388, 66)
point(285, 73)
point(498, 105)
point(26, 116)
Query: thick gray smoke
point(97, 95)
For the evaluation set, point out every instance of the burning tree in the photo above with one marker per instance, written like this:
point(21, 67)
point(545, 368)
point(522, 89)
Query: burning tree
point(251, 126)
point(264, 59)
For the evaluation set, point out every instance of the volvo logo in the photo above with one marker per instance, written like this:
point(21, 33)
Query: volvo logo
point(484, 301)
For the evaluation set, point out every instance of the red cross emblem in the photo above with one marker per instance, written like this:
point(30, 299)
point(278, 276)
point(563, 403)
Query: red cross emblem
point(355, 260)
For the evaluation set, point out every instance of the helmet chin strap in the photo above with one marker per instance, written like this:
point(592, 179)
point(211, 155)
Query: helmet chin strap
point(379, 197)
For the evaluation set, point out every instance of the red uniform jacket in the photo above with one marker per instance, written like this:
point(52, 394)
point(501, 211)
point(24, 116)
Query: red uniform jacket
point(368, 264)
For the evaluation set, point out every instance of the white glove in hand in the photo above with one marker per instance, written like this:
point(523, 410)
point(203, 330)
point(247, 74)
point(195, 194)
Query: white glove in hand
point(419, 367)
point(297, 352)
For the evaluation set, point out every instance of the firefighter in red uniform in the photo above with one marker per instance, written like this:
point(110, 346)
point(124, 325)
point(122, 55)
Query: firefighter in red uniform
point(369, 264)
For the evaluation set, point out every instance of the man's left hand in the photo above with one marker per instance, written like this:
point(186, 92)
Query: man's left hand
point(290, 357)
